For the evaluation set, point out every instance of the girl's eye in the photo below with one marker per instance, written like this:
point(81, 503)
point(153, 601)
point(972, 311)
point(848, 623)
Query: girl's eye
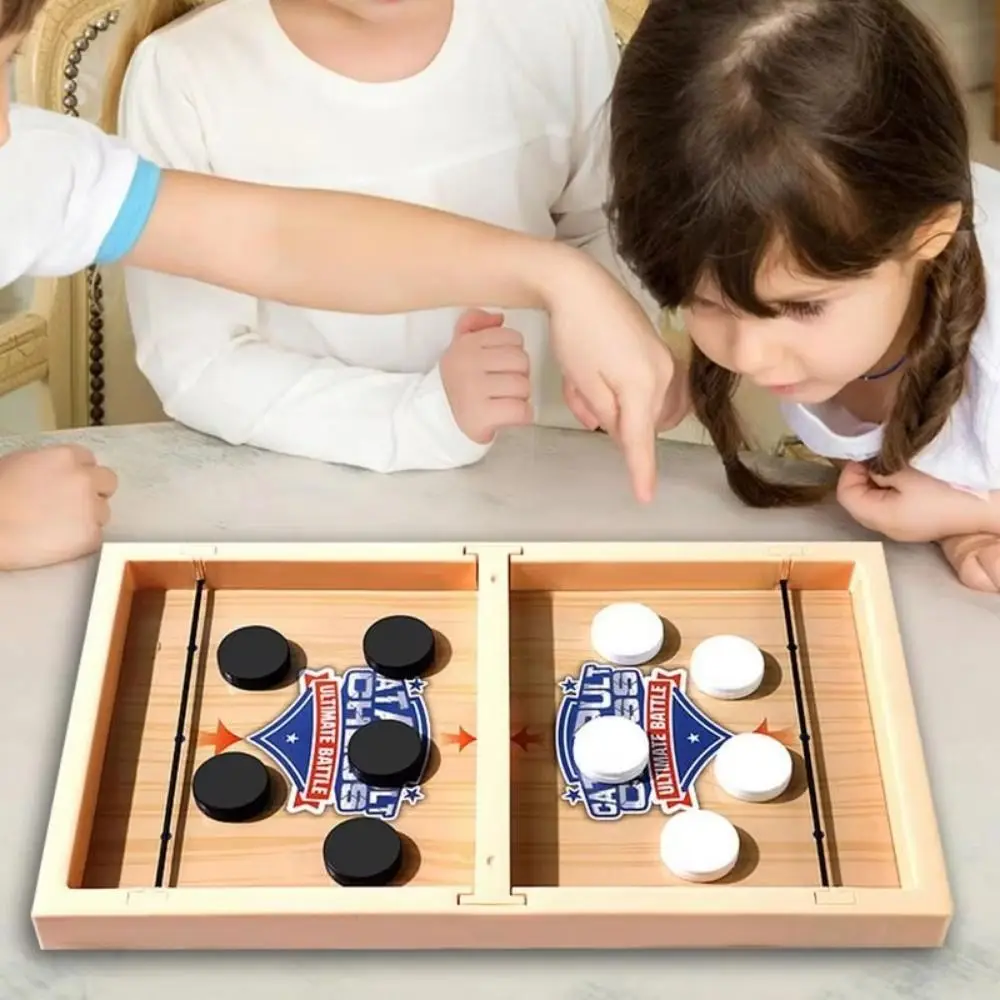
point(706, 306)
point(804, 310)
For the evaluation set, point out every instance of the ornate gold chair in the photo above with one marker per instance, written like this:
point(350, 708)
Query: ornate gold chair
point(24, 357)
point(626, 15)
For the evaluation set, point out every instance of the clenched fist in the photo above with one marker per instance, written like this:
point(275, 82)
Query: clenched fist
point(975, 560)
point(53, 505)
point(486, 375)
point(675, 407)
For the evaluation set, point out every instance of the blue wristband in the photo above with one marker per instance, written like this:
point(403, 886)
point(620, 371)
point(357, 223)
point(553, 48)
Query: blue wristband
point(133, 214)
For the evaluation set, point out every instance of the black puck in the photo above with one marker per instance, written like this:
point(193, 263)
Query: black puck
point(362, 851)
point(386, 753)
point(232, 787)
point(400, 647)
point(254, 658)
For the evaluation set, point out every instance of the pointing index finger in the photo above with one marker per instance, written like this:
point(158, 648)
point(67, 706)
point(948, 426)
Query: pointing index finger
point(637, 436)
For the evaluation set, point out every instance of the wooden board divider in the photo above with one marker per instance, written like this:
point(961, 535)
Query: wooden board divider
point(492, 878)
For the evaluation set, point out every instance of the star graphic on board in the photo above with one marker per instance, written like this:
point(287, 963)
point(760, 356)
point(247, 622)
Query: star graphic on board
point(292, 738)
point(693, 737)
point(415, 687)
point(569, 685)
point(412, 795)
point(572, 795)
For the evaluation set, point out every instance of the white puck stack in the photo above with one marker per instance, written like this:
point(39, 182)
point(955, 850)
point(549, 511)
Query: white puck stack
point(727, 667)
point(753, 767)
point(627, 634)
point(699, 846)
point(611, 749)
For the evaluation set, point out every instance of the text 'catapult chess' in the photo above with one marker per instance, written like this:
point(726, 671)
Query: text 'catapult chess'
point(492, 746)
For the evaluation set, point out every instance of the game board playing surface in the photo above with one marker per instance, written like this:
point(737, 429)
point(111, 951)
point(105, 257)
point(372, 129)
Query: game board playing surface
point(298, 728)
point(712, 742)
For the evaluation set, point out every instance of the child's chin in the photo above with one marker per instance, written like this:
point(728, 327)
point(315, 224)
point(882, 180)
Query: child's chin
point(811, 393)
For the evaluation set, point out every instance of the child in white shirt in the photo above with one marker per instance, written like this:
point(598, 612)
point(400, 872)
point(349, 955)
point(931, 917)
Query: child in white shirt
point(71, 196)
point(492, 109)
point(794, 176)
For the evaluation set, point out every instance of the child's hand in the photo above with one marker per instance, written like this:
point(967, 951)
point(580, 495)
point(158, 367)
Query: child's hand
point(578, 407)
point(612, 355)
point(911, 506)
point(975, 560)
point(53, 505)
point(676, 404)
point(485, 372)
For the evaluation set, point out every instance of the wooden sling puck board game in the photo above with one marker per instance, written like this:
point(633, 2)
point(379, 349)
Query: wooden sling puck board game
point(210, 792)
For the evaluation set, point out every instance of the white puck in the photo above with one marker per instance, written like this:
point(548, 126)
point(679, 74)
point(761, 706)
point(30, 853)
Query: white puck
point(753, 767)
point(627, 634)
point(727, 667)
point(699, 845)
point(611, 749)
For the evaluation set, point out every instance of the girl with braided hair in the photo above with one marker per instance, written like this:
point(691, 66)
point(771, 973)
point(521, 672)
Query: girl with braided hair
point(794, 177)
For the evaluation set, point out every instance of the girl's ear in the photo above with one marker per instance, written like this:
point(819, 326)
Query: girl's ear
point(931, 239)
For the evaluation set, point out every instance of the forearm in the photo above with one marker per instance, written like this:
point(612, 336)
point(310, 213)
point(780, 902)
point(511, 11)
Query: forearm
point(315, 408)
point(955, 547)
point(367, 420)
point(992, 518)
point(377, 421)
point(590, 233)
point(343, 252)
point(974, 519)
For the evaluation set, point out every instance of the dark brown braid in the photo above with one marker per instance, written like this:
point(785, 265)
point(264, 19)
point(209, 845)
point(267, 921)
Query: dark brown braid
point(712, 389)
point(935, 375)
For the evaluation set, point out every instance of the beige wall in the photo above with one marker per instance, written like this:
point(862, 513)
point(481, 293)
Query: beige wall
point(966, 27)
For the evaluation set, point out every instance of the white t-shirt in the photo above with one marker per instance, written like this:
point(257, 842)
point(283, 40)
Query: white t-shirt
point(966, 453)
point(70, 196)
point(507, 124)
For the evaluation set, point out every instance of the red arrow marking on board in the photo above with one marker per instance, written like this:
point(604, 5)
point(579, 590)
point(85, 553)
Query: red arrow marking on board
point(524, 739)
point(461, 739)
point(785, 736)
point(220, 739)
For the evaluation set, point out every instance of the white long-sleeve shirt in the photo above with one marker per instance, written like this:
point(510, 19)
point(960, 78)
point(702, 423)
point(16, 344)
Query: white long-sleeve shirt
point(508, 124)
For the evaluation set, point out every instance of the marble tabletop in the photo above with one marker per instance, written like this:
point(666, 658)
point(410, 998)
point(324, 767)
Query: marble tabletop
point(535, 485)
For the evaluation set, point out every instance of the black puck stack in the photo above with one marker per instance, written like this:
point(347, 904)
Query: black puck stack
point(385, 753)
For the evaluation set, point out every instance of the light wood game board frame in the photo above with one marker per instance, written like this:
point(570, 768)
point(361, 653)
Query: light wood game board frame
point(493, 910)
